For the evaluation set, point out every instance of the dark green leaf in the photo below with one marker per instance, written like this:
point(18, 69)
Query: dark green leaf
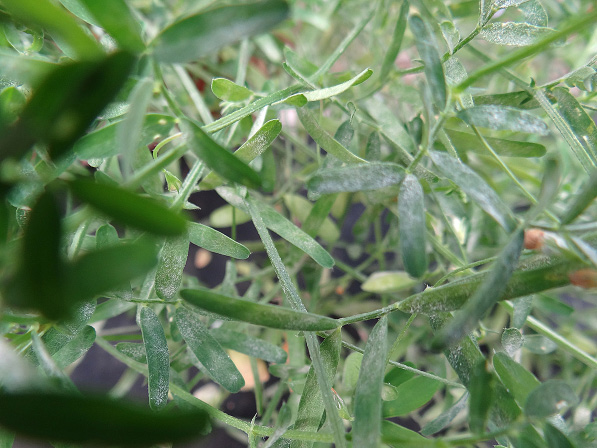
point(311, 407)
point(258, 314)
point(445, 418)
point(488, 293)
point(130, 208)
point(65, 104)
point(133, 350)
point(481, 397)
point(580, 201)
point(474, 186)
point(172, 261)
point(518, 34)
point(227, 90)
point(325, 140)
point(201, 34)
point(390, 57)
point(412, 227)
point(370, 176)
point(366, 428)
point(549, 398)
point(249, 345)
point(556, 438)
point(75, 348)
point(519, 100)
point(106, 236)
point(503, 118)
point(427, 47)
point(253, 147)
point(208, 351)
point(115, 17)
point(158, 358)
point(12, 101)
point(397, 435)
point(214, 241)
point(373, 148)
point(103, 142)
point(412, 394)
point(78, 8)
point(58, 22)
point(463, 141)
point(95, 420)
point(518, 380)
point(106, 269)
point(217, 158)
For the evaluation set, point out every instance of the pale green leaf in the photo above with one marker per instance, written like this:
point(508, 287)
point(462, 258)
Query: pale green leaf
point(504, 119)
point(412, 227)
point(518, 34)
point(227, 90)
point(158, 357)
point(217, 242)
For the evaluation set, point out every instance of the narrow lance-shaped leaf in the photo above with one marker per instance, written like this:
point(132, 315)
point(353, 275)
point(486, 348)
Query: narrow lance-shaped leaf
point(208, 351)
point(65, 104)
point(555, 438)
point(445, 418)
point(95, 420)
point(396, 435)
point(366, 427)
point(201, 34)
point(129, 208)
point(217, 158)
point(227, 90)
point(517, 34)
point(49, 367)
point(282, 423)
point(311, 407)
point(390, 57)
point(302, 209)
point(158, 358)
point(75, 348)
point(283, 227)
point(78, 8)
point(58, 22)
point(214, 241)
point(362, 177)
point(463, 141)
point(253, 147)
point(107, 236)
point(172, 260)
point(488, 293)
point(581, 124)
point(249, 345)
point(481, 397)
point(582, 200)
point(300, 99)
point(427, 48)
point(266, 315)
point(474, 186)
point(411, 212)
point(503, 118)
point(325, 140)
point(518, 380)
point(116, 18)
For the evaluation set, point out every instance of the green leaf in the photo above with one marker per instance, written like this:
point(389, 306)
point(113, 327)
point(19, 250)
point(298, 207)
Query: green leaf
point(95, 420)
point(222, 216)
point(103, 142)
point(412, 394)
point(512, 340)
point(328, 92)
point(282, 423)
point(58, 22)
point(214, 241)
point(488, 293)
point(49, 367)
point(412, 227)
point(361, 177)
point(201, 34)
point(116, 18)
point(172, 260)
point(311, 407)
point(129, 208)
point(12, 101)
point(463, 141)
point(217, 158)
point(78, 8)
point(301, 208)
point(391, 128)
point(208, 351)
point(352, 367)
point(366, 428)
point(427, 48)
point(249, 345)
point(445, 418)
point(474, 186)
point(539, 344)
point(503, 118)
point(227, 90)
point(517, 34)
point(549, 398)
point(397, 36)
point(580, 201)
point(325, 140)
point(518, 380)
point(481, 397)
point(265, 315)
point(581, 124)
point(253, 147)
point(556, 438)
point(75, 348)
point(65, 104)
point(158, 358)
point(107, 236)
point(107, 269)
point(373, 148)
point(397, 435)
point(133, 350)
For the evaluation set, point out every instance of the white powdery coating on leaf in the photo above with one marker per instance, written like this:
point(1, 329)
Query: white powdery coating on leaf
point(168, 277)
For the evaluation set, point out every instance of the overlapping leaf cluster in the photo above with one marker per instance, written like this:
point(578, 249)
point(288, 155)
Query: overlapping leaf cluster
point(416, 169)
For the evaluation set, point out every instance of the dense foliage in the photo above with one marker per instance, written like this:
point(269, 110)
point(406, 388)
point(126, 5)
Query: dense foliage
point(420, 177)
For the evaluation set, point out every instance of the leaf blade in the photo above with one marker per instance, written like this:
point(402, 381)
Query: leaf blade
point(158, 358)
point(412, 226)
